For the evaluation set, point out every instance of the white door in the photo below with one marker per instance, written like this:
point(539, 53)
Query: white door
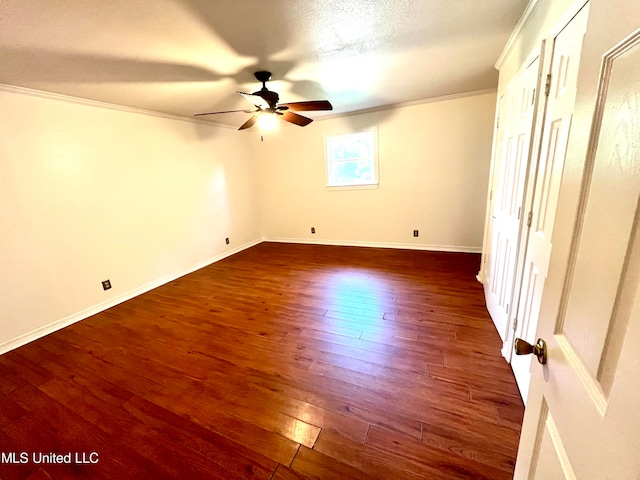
point(512, 158)
point(496, 158)
point(563, 79)
point(582, 419)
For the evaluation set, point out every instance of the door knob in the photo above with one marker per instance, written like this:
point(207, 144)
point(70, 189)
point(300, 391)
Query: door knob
point(525, 348)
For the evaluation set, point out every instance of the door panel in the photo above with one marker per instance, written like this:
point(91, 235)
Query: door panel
point(608, 220)
point(556, 464)
point(590, 310)
point(555, 134)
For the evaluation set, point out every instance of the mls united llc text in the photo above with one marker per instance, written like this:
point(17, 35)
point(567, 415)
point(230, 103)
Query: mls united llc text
point(52, 457)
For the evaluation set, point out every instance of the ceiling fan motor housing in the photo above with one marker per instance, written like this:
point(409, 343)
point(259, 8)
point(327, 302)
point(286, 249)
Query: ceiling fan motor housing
point(270, 97)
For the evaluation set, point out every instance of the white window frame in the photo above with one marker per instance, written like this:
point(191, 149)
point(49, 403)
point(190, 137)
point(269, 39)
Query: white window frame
point(328, 161)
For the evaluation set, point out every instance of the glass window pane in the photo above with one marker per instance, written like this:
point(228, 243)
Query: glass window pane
point(352, 173)
point(351, 159)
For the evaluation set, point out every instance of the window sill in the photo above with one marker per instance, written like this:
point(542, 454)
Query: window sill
point(371, 186)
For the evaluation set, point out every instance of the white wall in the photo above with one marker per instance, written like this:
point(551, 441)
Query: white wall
point(434, 167)
point(89, 193)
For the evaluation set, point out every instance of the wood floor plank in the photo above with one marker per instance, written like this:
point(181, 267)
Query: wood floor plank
point(204, 413)
point(228, 456)
point(313, 464)
point(39, 474)
point(235, 390)
point(376, 462)
point(466, 436)
point(285, 473)
point(10, 411)
point(29, 371)
point(364, 404)
point(380, 327)
point(379, 353)
point(425, 461)
point(9, 377)
point(52, 427)
point(175, 393)
point(282, 361)
point(510, 416)
point(478, 380)
point(391, 381)
point(189, 449)
point(258, 411)
point(417, 402)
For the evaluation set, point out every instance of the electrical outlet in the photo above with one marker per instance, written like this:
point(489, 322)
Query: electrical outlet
point(226, 240)
point(313, 229)
point(106, 284)
point(415, 233)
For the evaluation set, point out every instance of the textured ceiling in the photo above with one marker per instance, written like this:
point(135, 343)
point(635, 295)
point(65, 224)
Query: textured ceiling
point(187, 56)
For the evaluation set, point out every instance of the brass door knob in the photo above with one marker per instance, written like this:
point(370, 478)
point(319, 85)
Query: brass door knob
point(525, 348)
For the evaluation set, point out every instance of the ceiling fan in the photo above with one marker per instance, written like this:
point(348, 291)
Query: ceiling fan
point(266, 102)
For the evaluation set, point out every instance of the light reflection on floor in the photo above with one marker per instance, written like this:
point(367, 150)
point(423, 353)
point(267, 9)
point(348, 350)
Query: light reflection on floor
point(355, 296)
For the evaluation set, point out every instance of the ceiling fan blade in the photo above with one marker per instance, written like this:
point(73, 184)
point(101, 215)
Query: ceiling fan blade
point(257, 100)
point(308, 106)
point(296, 119)
point(249, 123)
point(226, 111)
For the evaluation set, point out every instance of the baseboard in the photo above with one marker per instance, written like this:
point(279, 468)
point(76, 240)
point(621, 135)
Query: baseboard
point(406, 246)
point(87, 312)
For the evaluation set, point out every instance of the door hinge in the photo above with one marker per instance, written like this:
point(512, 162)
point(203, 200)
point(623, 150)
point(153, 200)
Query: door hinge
point(490, 195)
point(529, 219)
point(533, 97)
point(547, 85)
point(519, 209)
point(515, 324)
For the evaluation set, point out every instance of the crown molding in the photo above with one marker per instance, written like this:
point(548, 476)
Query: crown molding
point(412, 103)
point(526, 17)
point(140, 111)
point(111, 106)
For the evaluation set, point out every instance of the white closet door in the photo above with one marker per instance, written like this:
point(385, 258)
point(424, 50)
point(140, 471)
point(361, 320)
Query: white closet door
point(567, 46)
point(511, 163)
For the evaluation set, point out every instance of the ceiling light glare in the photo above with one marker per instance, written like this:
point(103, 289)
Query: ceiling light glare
point(267, 121)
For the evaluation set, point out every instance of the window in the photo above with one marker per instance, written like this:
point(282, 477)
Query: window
point(352, 160)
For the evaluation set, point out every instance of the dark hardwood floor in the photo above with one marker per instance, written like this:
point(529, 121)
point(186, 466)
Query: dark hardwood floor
point(281, 362)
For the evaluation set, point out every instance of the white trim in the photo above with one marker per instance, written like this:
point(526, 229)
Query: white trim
point(87, 312)
point(111, 106)
point(356, 243)
point(123, 108)
point(391, 106)
point(337, 188)
point(526, 17)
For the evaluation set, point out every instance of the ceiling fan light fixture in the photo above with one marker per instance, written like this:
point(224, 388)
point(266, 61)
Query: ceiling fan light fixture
point(267, 121)
point(267, 106)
